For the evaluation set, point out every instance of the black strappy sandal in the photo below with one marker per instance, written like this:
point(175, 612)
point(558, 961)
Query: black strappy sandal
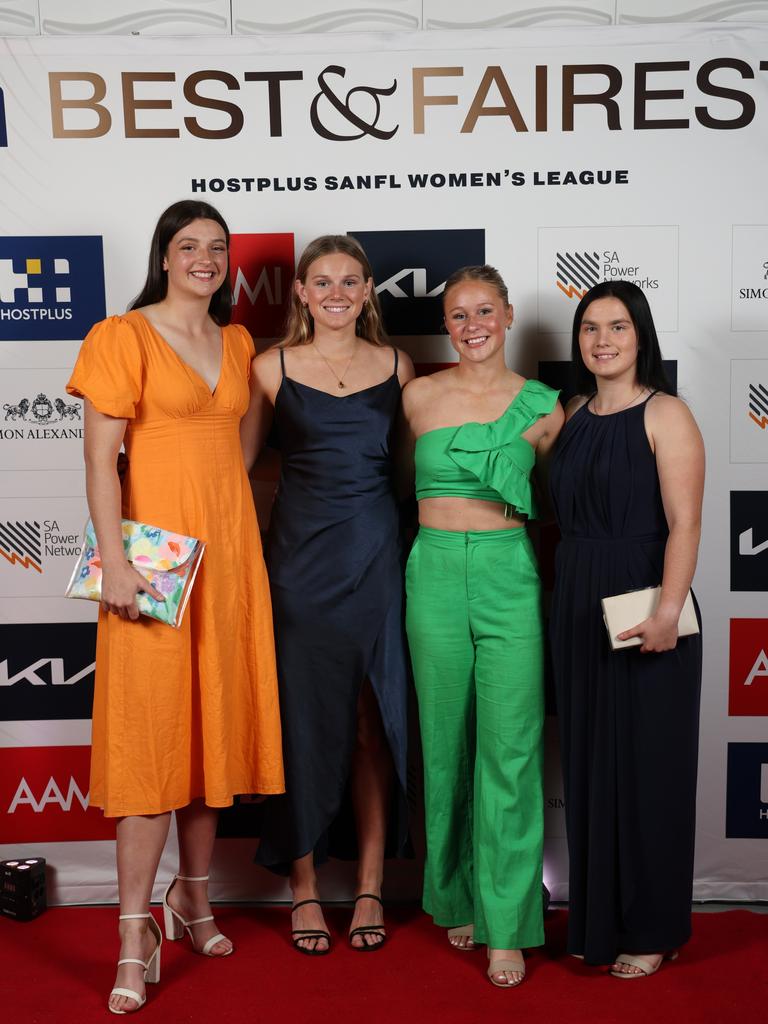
point(297, 934)
point(372, 929)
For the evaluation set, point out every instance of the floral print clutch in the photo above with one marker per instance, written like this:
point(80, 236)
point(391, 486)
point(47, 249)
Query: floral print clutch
point(168, 560)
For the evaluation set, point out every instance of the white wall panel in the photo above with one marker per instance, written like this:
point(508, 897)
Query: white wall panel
point(255, 16)
point(18, 18)
point(637, 12)
point(134, 17)
point(494, 14)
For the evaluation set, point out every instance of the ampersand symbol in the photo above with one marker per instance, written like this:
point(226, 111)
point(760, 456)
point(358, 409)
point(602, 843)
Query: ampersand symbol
point(344, 108)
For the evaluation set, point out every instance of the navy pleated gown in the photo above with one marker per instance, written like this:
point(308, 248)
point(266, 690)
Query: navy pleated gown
point(628, 721)
point(335, 566)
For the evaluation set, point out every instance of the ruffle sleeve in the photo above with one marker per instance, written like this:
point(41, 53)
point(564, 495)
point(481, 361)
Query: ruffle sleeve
point(108, 371)
point(496, 453)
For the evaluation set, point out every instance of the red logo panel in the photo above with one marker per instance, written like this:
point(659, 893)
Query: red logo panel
point(261, 269)
point(748, 675)
point(44, 796)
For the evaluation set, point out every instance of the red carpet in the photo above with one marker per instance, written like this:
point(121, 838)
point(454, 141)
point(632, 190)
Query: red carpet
point(60, 968)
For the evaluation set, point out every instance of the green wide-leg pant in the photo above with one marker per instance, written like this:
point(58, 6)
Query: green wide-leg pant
point(476, 638)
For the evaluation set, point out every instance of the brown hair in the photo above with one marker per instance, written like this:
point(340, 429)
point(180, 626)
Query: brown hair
point(486, 274)
point(299, 327)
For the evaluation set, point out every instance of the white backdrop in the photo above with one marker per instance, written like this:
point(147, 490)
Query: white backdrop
point(560, 156)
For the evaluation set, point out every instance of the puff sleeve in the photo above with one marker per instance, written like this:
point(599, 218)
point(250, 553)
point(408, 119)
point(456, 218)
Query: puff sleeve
point(109, 369)
point(497, 455)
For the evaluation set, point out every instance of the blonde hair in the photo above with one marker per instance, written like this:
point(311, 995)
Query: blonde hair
point(486, 274)
point(299, 326)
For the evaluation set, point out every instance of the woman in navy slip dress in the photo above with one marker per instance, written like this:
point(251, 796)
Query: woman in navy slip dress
point(332, 393)
point(626, 479)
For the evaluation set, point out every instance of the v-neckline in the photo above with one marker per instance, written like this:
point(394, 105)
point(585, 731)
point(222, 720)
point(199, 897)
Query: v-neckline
point(211, 390)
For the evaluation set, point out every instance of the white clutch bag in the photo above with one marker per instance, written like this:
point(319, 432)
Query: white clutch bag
point(627, 610)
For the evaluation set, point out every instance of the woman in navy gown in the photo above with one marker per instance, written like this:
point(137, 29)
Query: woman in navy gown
point(331, 393)
point(627, 480)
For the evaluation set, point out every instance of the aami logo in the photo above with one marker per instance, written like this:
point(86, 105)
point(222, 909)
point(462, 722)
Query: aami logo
point(410, 269)
point(3, 128)
point(758, 405)
point(558, 374)
point(47, 671)
point(261, 269)
point(746, 813)
point(21, 543)
point(51, 288)
point(748, 671)
point(749, 540)
point(44, 796)
point(576, 272)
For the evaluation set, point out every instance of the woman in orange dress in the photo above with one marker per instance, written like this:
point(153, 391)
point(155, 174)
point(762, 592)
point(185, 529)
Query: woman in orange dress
point(186, 718)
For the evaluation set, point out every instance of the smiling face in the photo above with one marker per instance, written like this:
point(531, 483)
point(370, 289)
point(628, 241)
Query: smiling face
point(196, 259)
point(476, 318)
point(334, 290)
point(608, 340)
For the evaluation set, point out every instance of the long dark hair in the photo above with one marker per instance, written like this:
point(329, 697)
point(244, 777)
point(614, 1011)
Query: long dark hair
point(172, 220)
point(650, 369)
point(300, 327)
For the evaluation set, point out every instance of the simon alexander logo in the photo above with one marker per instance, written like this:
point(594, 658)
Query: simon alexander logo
point(51, 288)
point(410, 269)
point(746, 814)
point(261, 270)
point(748, 667)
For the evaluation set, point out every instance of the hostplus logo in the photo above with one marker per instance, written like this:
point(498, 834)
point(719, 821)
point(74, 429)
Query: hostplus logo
point(51, 288)
point(746, 815)
point(410, 269)
point(758, 405)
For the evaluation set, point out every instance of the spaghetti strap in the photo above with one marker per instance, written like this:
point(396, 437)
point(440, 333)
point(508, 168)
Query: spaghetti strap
point(395, 351)
point(282, 361)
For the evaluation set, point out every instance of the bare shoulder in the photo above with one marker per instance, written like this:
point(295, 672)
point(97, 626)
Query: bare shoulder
point(405, 369)
point(574, 404)
point(666, 412)
point(266, 367)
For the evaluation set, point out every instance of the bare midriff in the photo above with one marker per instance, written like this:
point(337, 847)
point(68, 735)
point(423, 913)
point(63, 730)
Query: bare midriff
point(462, 514)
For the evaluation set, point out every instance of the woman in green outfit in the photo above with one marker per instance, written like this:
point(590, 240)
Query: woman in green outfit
point(475, 630)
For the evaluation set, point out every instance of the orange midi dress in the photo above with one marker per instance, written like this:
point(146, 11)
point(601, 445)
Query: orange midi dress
point(193, 712)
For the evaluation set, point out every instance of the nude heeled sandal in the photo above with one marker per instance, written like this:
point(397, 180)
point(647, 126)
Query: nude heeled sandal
point(175, 923)
point(505, 964)
point(151, 966)
point(460, 932)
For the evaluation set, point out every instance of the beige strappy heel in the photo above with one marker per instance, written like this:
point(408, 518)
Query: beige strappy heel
point(505, 964)
point(151, 966)
point(460, 932)
point(175, 923)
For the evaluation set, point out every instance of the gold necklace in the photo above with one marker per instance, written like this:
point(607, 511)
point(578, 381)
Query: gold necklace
point(634, 398)
point(327, 362)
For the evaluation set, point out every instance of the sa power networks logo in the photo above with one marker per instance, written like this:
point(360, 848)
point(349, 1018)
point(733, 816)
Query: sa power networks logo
point(748, 671)
point(410, 269)
point(51, 288)
point(746, 814)
point(749, 540)
point(576, 272)
point(261, 269)
point(749, 273)
point(39, 541)
point(749, 410)
point(47, 671)
point(573, 260)
point(44, 796)
point(21, 543)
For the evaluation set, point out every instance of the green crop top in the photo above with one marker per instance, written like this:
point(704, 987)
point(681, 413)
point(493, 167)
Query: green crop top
point(486, 460)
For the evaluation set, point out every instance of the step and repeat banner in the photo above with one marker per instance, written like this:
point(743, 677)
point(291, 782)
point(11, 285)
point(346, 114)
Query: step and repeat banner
point(563, 157)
